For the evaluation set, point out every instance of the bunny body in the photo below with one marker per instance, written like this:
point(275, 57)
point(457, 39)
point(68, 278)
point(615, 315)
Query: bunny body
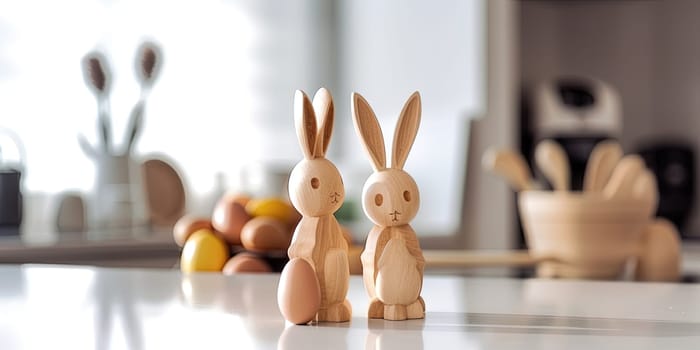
point(316, 191)
point(392, 262)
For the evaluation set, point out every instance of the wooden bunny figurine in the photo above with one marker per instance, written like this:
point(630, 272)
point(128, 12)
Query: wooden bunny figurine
point(316, 191)
point(392, 261)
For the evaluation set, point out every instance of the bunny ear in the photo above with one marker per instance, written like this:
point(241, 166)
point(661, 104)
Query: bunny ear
point(367, 126)
point(305, 123)
point(323, 106)
point(406, 130)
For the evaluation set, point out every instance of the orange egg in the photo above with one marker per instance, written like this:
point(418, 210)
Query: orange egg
point(265, 234)
point(298, 293)
point(187, 225)
point(228, 218)
point(246, 263)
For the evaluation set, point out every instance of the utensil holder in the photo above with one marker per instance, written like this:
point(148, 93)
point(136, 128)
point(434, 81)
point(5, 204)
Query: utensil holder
point(118, 199)
point(582, 234)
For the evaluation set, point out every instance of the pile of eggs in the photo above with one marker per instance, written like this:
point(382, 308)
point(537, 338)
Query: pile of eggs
point(242, 235)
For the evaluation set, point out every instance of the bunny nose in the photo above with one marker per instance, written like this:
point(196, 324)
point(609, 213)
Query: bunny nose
point(334, 197)
point(395, 215)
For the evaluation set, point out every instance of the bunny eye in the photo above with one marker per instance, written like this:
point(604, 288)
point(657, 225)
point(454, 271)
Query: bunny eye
point(378, 199)
point(407, 196)
point(315, 183)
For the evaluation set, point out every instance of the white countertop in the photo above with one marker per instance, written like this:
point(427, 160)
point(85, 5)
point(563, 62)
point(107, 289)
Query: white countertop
point(43, 306)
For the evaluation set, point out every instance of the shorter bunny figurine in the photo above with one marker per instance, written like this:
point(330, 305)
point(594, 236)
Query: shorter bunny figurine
point(392, 262)
point(314, 283)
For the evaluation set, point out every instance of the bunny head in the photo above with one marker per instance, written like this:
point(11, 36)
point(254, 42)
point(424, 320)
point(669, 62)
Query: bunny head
point(390, 195)
point(315, 185)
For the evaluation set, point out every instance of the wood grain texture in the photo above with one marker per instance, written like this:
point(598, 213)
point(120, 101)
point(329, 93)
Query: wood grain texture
point(367, 126)
point(392, 262)
point(316, 191)
point(324, 110)
point(406, 130)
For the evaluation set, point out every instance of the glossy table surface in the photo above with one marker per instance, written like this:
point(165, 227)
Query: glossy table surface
point(51, 307)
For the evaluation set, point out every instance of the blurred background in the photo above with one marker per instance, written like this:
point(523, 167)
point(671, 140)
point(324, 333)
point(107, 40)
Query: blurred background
point(222, 110)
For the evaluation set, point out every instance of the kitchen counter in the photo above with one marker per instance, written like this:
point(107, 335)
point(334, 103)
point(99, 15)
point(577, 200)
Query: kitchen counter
point(128, 248)
point(45, 306)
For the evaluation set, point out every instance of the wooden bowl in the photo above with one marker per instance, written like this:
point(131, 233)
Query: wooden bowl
point(582, 234)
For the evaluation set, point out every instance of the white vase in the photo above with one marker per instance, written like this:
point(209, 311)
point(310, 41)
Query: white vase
point(118, 198)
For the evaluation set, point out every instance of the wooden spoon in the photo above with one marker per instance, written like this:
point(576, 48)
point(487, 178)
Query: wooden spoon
point(552, 160)
point(622, 180)
point(600, 165)
point(645, 189)
point(509, 165)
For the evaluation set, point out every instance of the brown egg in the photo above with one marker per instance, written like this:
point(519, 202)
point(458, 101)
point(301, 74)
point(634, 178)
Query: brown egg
point(265, 234)
point(187, 225)
point(298, 293)
point(246, 263)
point(228, 219)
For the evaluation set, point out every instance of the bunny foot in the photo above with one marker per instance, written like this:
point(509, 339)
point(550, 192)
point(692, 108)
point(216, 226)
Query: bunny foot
point(376, 309)
point(340, 312)
point(396, 312)
point(416, 310)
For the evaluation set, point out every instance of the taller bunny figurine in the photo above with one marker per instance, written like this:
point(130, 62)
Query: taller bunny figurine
point(392, 262)
point(314, 283)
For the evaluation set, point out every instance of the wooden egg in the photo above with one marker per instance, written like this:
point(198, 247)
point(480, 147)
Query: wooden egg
point(246, 263)
point(204, 251)
point(265, 234)
point(187, 225)
point(228, 219)
point(298, 293)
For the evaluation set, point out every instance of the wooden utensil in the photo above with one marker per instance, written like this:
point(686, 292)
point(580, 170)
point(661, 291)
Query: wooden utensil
point(645, 189)
point(601, 163)
point(509, 165)
point(553, 162)
point(621, 184)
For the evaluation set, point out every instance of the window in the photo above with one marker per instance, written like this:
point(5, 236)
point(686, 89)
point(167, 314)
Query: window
point(224, 98)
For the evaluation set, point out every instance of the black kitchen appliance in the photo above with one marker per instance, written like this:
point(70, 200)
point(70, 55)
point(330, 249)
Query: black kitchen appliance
point(577, 112)
point(11, 186)
point(673, 163)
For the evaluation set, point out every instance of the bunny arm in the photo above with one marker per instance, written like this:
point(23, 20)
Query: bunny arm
point(374, 248)
point(319, 240)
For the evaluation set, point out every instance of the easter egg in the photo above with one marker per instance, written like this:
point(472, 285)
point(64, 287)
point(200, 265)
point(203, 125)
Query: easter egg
point(265, 233)
point(298, 292)
point(187, 225)
point(203, 251)
point(228, 218)
point(246, 263)
point(272, 207)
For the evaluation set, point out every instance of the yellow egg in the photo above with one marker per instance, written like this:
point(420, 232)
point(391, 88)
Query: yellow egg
point(272, 207)
point(203, 251)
